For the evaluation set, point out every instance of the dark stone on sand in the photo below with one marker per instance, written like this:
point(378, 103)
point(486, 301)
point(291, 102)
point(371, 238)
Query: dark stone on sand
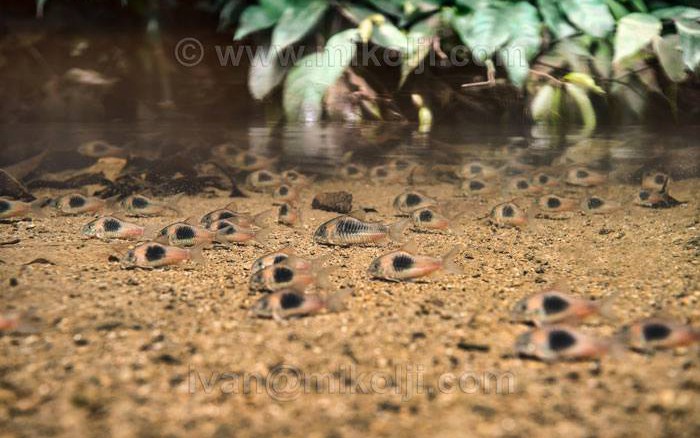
point(11, 188)
point(339, 202)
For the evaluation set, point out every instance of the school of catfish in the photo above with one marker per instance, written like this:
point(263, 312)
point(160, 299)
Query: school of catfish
point(291, 285)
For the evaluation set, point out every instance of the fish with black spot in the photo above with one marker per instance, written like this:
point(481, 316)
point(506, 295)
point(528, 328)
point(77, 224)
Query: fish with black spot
point(598, 205)
point(112, 227)
point(100, 149)
point(11, 209)
point(406, 265)
point(508, 214)
point(290, 303)
point(251, 161)
point(383, 174)
point(75, 203)
point(556, 305)
point(279, 256)
point(263, 180)
point(229, 232)
point(186, 234)
point(585, 177)
point(289, 275)
point(658, 334)
point(478, 169)
point(290, 215)
point(295, 178)
point(556, 204)
point(353, 229)
point(412, 200)
point(561, 342)
point(285, 193)
point(156, 255)
point(656, 181)
point(230, 213)
point(543, 179)
point(139, 205)
point(430, 219)
point(522, 185)
point(352, 171)
point(477, 186)
point(657, 200)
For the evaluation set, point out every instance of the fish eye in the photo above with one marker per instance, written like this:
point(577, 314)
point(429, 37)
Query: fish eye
point(644, 195)
point(543, 179)
point(521, 306)
point(507, 211)
point(522, 184)
point(660, 179)
point(581, 174)
point(352, 170)
point(475, 168)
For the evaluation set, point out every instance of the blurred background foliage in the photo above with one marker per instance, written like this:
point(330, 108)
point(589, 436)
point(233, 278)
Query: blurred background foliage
point(555, 62)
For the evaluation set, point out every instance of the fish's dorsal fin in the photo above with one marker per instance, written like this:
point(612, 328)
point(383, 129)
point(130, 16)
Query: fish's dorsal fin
point(358, 214)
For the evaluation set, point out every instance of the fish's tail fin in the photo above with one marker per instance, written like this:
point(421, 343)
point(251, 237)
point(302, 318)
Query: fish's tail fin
point(448, 263)
point(260, 218)
point(174, 203)
point(196, 254)
point(262, 236)
point(151, 231)
point(37, 207)
point(397, 229)
point(606, 306)
point(322, 277)
point(336, 302)
point(111, 204)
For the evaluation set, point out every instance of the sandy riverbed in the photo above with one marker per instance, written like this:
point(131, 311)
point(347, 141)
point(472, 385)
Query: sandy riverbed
point(146, 353)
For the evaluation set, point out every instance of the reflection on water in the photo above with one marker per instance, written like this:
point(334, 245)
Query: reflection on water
point(320, 149)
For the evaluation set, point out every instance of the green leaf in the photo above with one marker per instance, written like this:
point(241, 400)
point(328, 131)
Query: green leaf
point(689, 32)
point(584, 81)
point(308, 81)
point(634, 32)
point(226, 13)
point(602, 59)
point(639, 5)
point(389, 36)
point(484, 32)
point(297, 21)
point(419, 40)
point(255, 18)
point(356, 13)
point(266, 72)
point(676, 12)
point(668, 50)
point(541, 104)
point(554, 18)
point(585, 107)
point(391, 7)
point(617, 9)
point(473, 4)
point(591, 16)
point(525, 41)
